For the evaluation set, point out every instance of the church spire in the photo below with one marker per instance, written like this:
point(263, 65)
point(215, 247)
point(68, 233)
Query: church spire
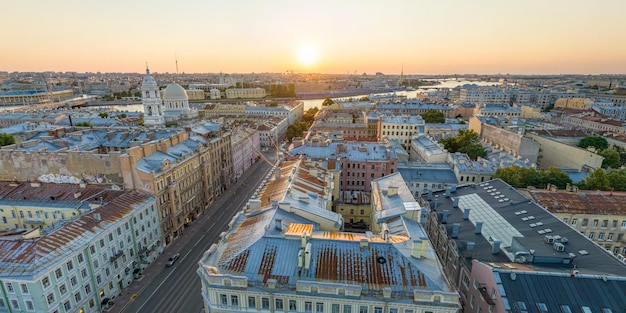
point(147, 69)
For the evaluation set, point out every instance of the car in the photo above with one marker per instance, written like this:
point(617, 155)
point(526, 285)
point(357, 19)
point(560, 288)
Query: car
point(172, 259)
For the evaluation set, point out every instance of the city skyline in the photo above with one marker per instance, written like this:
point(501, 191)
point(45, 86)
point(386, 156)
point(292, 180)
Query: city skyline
point(449, 37)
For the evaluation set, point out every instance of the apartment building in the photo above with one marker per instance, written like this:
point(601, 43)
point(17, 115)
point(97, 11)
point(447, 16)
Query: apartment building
point(274, 259)
point(82, 263)
point(505, 253)
point(400, 128)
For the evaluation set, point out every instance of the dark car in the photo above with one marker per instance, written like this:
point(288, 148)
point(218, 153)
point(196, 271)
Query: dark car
point(172, 259)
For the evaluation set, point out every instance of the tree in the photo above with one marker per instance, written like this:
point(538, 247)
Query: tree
point(617, 179)
point(123, 115)
point(432, 116)
point(6, 139)
point(309, 115)
point(327, 102)
point(611, 158)
point(103, 114)
point(467, 141)
point(521, 177)
point(594, 141)
point(597, 180)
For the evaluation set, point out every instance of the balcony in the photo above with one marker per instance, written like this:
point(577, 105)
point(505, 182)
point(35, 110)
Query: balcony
point(116, 256)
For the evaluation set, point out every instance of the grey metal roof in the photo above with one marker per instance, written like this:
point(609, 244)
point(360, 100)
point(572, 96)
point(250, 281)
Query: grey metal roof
point(505, 211)
point(527, 289)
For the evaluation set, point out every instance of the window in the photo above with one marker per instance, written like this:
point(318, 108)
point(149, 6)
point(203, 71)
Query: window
point(67, 305)
point(624, 224)
point(605, 223)
point(585, 222)
point(565, 309)
point(223, 299)
point(600, 236)
point(101, 243)
point(87, 289)
point(45, 282)
point(80, 258)
point(574, 222)
point(347, 308)
point(2, 305)
point(542, 307)
point(10, 288)
point(83, 273)
point(74, 281)
point(308, 306)
point(278, 305)
point(62, 289)
point(335, 308)
point(591, 234)
point(251, 302)
point(14, 304)
point(234, 300)
point(378, 310)
point(77, 297)
point(99, 279)
point(58, 273)
point(95, 263)
point(92, 249)
point(50, 298)
point(70, 265)
point(595, 223)
point(472, 301)
point(408, 311)
point(319, 307)
point(265, 303)
point(610, 237)
point(393, 310)
point(363, 309)
point(293, 306)
point(29, 305)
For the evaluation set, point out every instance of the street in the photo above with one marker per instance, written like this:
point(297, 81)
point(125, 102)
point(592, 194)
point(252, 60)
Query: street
point(177, 288)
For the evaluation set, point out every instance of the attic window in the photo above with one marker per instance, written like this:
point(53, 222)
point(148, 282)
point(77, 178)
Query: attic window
point(543, 308)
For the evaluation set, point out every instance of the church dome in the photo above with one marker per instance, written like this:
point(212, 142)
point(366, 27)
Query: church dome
point(174, 91)
point(148, 80)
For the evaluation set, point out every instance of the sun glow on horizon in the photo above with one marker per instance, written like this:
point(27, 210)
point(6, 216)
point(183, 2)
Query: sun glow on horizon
point(307, 55)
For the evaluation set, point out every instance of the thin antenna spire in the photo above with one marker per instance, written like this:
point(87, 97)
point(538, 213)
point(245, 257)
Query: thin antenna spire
point(147, 69)
point(176, 59)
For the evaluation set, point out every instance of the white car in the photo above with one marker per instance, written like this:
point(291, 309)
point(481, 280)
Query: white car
point(172, 259)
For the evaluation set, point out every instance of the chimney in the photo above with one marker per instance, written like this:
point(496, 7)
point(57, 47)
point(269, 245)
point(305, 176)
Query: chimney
point(466, 213)
point(363, 243)
point(453, 188)
point(496, 247)
point(469, 252)
point(303, 240)
point(448, 192)
point(392, 191)
point(455, 202)
point(276, 173)
point(307, 256)
point(300, 258)
point(387, 292)
point(436, 202)
point(313, 172)
point(430, 195)
point(455, 230)
point(479, 227)
point(279, 224)
point(274, 203)
point(97, 216)
point(254, 205)
point(444, 218)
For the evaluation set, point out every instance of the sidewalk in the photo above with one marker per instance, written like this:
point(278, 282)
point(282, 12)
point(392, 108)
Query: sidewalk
point(137, 286)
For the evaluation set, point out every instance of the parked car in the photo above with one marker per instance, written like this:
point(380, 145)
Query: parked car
point(172, 259)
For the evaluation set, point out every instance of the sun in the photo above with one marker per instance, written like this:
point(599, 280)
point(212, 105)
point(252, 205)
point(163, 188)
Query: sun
point(307, 55)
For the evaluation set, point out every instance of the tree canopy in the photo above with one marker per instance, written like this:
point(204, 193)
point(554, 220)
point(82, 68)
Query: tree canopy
point(611, 158)
point(432, 116)
point(521, 177)
point(594, 141)
point(6, 139)
point(327, 102)
point(467, 141)
point(600, 179)
point(297, 129)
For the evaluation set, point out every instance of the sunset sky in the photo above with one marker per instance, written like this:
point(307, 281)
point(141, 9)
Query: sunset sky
point(334, 36)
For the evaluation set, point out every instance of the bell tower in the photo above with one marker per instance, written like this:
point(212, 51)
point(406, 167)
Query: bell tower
point(151, 100)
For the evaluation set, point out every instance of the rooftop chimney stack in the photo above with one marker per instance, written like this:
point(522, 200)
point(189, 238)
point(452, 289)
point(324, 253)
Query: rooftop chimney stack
point(455, 202)
point(444, 218)
point(469, 252)
point(455, 230)
point(479, 227)
point(466, 213)
point(436, 202)
point(496, 247)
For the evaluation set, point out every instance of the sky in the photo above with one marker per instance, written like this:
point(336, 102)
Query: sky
point(315, 36)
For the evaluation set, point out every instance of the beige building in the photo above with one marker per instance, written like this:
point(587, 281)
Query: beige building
point(184, 174)
point(557, 154)
point(196, 94)
point(245, 93)
point(528, 111)
point(574, 103)
point(601, 216)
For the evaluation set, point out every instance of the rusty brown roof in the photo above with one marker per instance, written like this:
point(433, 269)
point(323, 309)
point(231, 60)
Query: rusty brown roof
point(581, 202)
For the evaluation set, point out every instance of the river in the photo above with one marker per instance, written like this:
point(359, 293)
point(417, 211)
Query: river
point(310, 103)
